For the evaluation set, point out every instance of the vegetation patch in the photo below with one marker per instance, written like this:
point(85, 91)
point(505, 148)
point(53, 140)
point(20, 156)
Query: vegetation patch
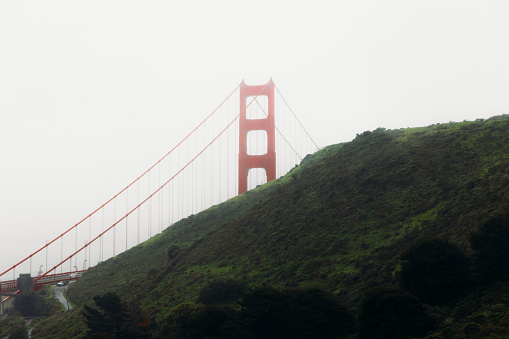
point(343, 219)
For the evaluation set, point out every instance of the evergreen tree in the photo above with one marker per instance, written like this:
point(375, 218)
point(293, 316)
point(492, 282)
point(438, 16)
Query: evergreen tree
point(436, 271)
point(31, 304)
point(111, 319)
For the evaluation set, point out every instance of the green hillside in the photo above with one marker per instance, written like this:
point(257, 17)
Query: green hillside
point(339, 221)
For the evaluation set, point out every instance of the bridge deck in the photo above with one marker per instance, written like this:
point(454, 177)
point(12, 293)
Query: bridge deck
point(39, 282)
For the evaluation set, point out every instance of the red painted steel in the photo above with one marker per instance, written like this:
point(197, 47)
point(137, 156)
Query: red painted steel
point(266, 161)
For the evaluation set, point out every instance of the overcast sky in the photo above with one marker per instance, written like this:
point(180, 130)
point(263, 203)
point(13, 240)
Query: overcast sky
point(93, 92)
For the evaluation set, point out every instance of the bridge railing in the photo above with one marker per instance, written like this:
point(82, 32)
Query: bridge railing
point(8, 286)
point(39, 282)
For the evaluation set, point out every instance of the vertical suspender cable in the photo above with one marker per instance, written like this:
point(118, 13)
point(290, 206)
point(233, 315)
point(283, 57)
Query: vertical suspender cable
point(46, 267)
point(179, 200)
point(114, 228)
point(170, 202)
point(102, 230)
point(176, 194)
point(61, 252)
point(126, 210)
point(192, 169)
point(195, 174)
point(237, 150)
point(219, 172)
point(149, 210)
point(211, 174)
point(139, 213)
point(188, 187)
point(180, 196)
point(202, 183)
point(228, 154)
point(76, 247)
point(160, 196)
point(89, 237)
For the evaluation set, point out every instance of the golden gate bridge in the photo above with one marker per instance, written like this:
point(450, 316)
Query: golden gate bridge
point(253, 136)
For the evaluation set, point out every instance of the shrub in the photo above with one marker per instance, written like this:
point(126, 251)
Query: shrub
point(172, 251)
point(391, 313)
point(436, 271)
point(13, 326)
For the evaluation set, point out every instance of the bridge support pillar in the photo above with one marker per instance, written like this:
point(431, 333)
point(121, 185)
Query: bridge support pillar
point(266, 161)
point(25, 282)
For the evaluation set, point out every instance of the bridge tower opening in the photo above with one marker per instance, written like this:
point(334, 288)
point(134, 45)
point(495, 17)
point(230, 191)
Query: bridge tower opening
point(266, 161)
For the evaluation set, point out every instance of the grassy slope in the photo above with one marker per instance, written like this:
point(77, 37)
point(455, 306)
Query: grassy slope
point(341, 219)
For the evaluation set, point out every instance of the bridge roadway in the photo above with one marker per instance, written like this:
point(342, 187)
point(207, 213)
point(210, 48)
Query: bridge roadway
point(10, 287)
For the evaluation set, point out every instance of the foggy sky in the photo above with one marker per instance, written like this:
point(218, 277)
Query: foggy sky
point(93, 92)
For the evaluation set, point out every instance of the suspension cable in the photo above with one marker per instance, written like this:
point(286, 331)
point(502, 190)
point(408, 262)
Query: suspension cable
point(132, 183)
point(153, 193)
point(295, 116)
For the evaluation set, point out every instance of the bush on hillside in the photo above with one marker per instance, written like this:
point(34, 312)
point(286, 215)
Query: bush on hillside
point(391, 313)
point(436, 271)
point(490, 244)
point(297, 313)
point(13, 326)
point(265, 313)
point(221, 292)
point(190, 320)
point(172, 251)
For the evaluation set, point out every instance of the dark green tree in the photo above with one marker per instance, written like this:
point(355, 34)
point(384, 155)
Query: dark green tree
point(296, 313)
point(111, 319)
point(491, 252)
point(31, 304)
point(389, 313)
point(262, 312)
point(109, 316)
point(190, 320)
point(436, 271)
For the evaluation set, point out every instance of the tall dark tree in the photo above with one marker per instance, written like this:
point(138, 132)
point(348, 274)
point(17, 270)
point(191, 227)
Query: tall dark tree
point(111, 319)
point(109, 316)
point(296, 313)
point(389, 313)
point(491, 255)
point(436, 271)
point(31, 304)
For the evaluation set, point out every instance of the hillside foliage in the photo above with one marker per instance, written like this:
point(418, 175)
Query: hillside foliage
point(346, 219)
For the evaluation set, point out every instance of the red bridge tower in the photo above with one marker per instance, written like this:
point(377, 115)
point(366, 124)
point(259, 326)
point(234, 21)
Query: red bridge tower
point(266, 161)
